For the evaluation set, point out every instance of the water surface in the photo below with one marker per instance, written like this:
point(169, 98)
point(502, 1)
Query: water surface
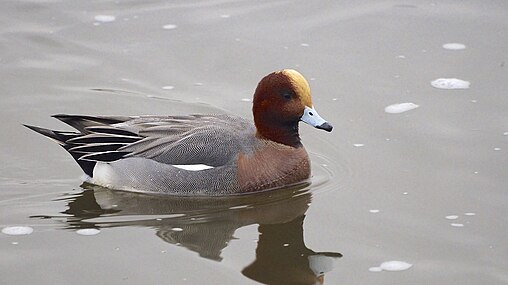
point(426, 186)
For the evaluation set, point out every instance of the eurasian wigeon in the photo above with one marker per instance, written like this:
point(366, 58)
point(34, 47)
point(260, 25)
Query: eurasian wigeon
point(199, 154)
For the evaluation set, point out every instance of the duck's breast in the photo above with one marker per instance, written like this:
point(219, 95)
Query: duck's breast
point(272, 165)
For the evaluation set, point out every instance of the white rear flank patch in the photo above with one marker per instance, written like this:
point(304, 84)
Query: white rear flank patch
point(103, 174)
point(193, 167)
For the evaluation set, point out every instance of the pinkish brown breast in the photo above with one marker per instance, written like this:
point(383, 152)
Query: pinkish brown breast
point(272, 165)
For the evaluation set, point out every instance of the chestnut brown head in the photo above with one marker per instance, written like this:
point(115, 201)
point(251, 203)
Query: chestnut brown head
point(281, 100)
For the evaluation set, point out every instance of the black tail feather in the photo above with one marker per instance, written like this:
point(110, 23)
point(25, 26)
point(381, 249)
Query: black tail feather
point(81, 122)
point(61, 138)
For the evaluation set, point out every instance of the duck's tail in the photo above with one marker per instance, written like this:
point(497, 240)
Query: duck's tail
point(61, 137)
point(95, 139)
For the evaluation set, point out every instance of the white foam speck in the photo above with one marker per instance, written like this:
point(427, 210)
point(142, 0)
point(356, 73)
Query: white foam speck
point(405, 193)
point(358, 144)
point(177, 229)
point(88, 232)
point(169, 87)
point(14, 243)
point(452, 217)
point(450, 83)
point(304, 45)
point(286, 245)
point(497, 148)
point(454, 46)
point(374, 211)
point(457, 225)
point(400, 108)
point(334, 99)
point(246, 100)
point(17, 230)
point(105, 18)
point(198, 84)
point(395, 265)
point(470, 214)
point(225, 16)
point(169, 27)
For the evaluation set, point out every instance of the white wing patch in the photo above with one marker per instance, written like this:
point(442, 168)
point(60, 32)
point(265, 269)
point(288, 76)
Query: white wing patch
point(193, 167)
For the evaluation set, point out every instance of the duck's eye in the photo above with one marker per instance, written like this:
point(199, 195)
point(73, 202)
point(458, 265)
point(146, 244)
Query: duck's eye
point(286, 95)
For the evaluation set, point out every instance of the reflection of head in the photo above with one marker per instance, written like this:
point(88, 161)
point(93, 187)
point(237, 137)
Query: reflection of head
point(283, 258)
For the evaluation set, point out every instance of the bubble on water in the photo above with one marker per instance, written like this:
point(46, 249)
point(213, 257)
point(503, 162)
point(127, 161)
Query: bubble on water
point(198, 84)
point(401, 56)
point(169, 27)
point(358, 144)
point(17, 230)
point(497, 148)
point(246, 100)
point(456, 225)
point(450, 83)
point(88, 232)
point(393, 265)
point(400, 108)
point(105, 18)
point(374, 211)
point(470, 214)
point(454, 46)
point(304, 44)
point(169, 87)
point(225, 16)
point(452, 217)
point(177, 229)
point(505, 134)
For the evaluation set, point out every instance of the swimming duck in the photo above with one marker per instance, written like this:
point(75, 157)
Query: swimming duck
point(206, 155)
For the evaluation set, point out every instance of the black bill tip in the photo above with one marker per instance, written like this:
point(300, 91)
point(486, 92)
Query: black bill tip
point(325, 126)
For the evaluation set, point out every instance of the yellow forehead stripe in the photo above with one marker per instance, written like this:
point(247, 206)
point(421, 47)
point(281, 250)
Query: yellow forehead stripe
point(300, 84)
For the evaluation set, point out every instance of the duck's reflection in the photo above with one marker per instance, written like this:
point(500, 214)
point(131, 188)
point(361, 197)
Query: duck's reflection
point(207, 225)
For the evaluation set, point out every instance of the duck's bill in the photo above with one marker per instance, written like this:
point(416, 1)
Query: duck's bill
point(311, 117)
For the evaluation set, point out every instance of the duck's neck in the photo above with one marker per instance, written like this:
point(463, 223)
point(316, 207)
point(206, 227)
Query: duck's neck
point(284, 133)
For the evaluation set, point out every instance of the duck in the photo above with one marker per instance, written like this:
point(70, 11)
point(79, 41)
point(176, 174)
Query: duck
point(199, 154)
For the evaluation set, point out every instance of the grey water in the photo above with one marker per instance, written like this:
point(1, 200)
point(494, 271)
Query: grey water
point(425, 186)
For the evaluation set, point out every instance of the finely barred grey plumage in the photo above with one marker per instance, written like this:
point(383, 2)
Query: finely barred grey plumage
point(214, 140)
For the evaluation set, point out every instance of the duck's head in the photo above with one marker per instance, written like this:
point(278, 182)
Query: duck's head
point(282, 99)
